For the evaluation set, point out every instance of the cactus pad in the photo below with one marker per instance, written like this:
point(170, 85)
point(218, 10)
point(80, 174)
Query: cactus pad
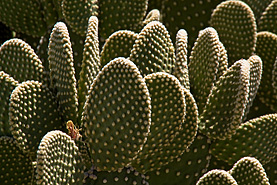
point(15, 166)
point(208, 61)
point(33, 112)
point(181, 66)
point(236, 26)
point(266, 49)
point(116, 117)
point(255, 138)
point(62, 71)
point(119, 44)
point(220, 120)
point(153, 50)
point(90, 63)
point(58, 160)
point(19, 60)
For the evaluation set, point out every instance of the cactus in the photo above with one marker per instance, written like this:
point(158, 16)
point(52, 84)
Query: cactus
point(67, 166)
point(247, 170)
point(137, 108)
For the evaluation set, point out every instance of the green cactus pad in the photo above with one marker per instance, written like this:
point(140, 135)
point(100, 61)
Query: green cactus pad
point(19, 60)
point(266, 49)
point(58, 160)
point(116, 117)
point(153, 50)
point(187, 168)
point(190, 15)
point(220, 120)
point(269, 18)
point(77, 14)
point(125, 176)
point(7, 85)
point(23, 16)
point(121, 15)
point(119, 44)
point(255, 138)
point(208, 61)
point(217, 177)
point(167, 115)
point(15, 165)
point(153, 15)
point(235, 23)
point(90, 63)
point(249, 170)
point(33, 112)
point(258, 7)
point(255, 79)
point(62, 71)
point(181, 65)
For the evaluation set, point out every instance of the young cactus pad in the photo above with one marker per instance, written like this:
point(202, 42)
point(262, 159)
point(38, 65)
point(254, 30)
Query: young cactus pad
point(58, 160)
point(116, 117)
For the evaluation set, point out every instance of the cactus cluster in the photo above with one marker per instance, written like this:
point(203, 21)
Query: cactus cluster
point(138, 92)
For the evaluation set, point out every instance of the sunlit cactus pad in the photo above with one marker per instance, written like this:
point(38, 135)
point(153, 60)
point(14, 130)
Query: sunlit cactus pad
point(116, 117)
point(15, 166)
point(58, 160)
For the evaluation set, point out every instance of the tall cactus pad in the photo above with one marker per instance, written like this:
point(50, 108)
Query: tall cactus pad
point(19, 60)
point(208, 61)
point(77, 14)
point(23, 16)
point(255, 79)
point(62, 71)
point(256, 138)
point(119, 44)
point(185, 169)
point(7, 85)
point(116, 117)
point(181, 66)
point(249, 170)
point(58, 160)
point(117, 15)
point(153, 51)
point(266, 49)
point(15, 166)
point(33, 112)
point(90, 63)
point(269, 18)
point(220, 120)
point(125, 176)
point(167, 115)
point(215, 177)
point(153, 15)
point(235, 23)
point(190, 15)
